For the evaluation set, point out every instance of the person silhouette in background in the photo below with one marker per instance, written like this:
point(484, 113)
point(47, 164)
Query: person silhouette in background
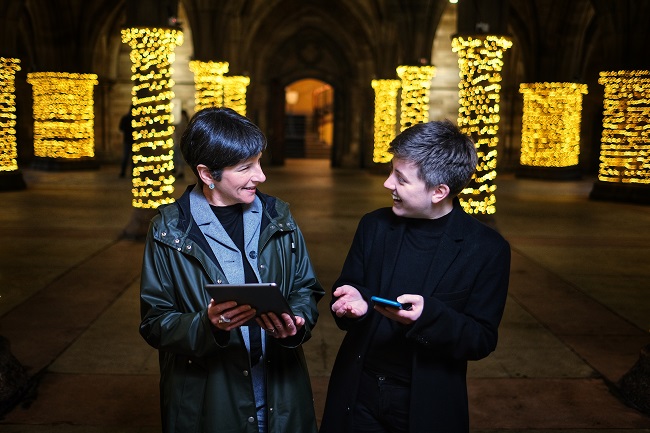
point(126, 126)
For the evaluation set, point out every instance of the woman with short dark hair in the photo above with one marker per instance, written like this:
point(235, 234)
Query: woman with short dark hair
point(225, 368)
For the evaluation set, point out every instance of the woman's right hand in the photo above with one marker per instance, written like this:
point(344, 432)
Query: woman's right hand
point(350, 303)
point(227, 316)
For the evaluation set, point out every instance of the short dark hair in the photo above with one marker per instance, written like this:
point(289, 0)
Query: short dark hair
point(442, 153)
point(220, 138)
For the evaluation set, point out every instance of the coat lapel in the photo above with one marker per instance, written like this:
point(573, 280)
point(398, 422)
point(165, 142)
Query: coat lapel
point(391, 247)
point(449, 248)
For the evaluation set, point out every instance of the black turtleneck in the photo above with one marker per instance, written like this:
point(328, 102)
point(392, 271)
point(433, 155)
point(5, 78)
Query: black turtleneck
point(390, 352)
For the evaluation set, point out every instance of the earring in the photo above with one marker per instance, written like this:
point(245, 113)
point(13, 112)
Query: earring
point(211, 186)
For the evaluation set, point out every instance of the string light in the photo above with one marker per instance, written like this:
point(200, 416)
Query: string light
point(213, 89)
point(625, 144)
point(385, 118)
point(480, 60)
point(8, 149)
point(416, 82)
point(208, 83)
point(234, 93)
point(550, 134)
point(63, 114)
point(152, 54)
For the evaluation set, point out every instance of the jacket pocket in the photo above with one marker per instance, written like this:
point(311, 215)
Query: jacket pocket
point(455, 300)
point(190, 383)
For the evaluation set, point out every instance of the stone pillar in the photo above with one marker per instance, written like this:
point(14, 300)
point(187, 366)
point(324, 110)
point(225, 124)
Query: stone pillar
point(234, 93)
point(550, 133)
point(414, 97)
point(480, 59)
point(385, 123)
point(152, 54)
point(208, 83)
point(624, 172)
point(11, 179)
point(64, 134)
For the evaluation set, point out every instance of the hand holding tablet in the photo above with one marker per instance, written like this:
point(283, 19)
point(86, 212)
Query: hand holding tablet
point(263, 297)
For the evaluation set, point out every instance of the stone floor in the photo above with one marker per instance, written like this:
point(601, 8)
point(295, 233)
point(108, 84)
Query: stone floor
point(577, 316)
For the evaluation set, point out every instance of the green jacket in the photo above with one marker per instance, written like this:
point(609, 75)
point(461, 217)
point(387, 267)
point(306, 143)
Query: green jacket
point(205, 382)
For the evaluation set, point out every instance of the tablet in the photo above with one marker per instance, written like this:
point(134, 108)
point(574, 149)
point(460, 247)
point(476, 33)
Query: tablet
point(264, 297)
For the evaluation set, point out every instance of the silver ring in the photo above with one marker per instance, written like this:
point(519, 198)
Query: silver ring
point(223, 319)
point(271, 330)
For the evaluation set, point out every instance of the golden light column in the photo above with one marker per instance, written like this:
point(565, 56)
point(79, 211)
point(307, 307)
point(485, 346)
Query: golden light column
point(208, 83)
point(480, 60)
point(234, 93)
point(63, 115)
point(625, 145)
point(385, 122)
point(414, 105)
point(8, 150)
point(152, 55)
point(550, 133)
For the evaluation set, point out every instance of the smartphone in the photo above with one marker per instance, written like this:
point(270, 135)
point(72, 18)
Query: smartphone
point(388, 303)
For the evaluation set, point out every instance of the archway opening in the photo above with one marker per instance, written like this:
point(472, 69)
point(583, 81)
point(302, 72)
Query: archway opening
point(309, 119)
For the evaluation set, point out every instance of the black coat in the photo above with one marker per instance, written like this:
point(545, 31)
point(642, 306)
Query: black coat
point(463, 306)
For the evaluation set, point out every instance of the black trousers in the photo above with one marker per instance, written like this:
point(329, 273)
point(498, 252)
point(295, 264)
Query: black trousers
point(382, 405)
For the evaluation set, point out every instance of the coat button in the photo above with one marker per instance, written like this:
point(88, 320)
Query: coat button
point(188, 247)
point(251, 419)
point(176, 240)
point(163, 234)
point(262, 267)
point(219, 281)
point(245, 372)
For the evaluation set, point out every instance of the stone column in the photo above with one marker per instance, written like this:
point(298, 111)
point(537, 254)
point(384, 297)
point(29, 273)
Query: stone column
point(208, 83)
point(550, 133)
point(385, 123)
point(414, 97)
point(152, 54)
point(234, 93)
point(11, 179)
point(624, 172)
point(480, 59)
point(64, 120)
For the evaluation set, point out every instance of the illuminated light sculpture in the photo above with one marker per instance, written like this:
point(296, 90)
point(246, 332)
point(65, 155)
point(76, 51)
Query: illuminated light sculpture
point(415, 83)
point(10, 176)
point(152, 54)
point(208, 83)
point(385, 122)
point(624, 172)
point(213, 89)
point(63, 116)
point(550, 134)
point(480, 59)
point(8, 152)
point(234, 93)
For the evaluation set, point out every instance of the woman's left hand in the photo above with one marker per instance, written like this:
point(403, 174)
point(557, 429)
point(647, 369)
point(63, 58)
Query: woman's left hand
point(405, 317)
point(280, 327)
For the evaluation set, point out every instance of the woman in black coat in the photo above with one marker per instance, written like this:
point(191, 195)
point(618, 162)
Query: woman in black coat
point(404, 370)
